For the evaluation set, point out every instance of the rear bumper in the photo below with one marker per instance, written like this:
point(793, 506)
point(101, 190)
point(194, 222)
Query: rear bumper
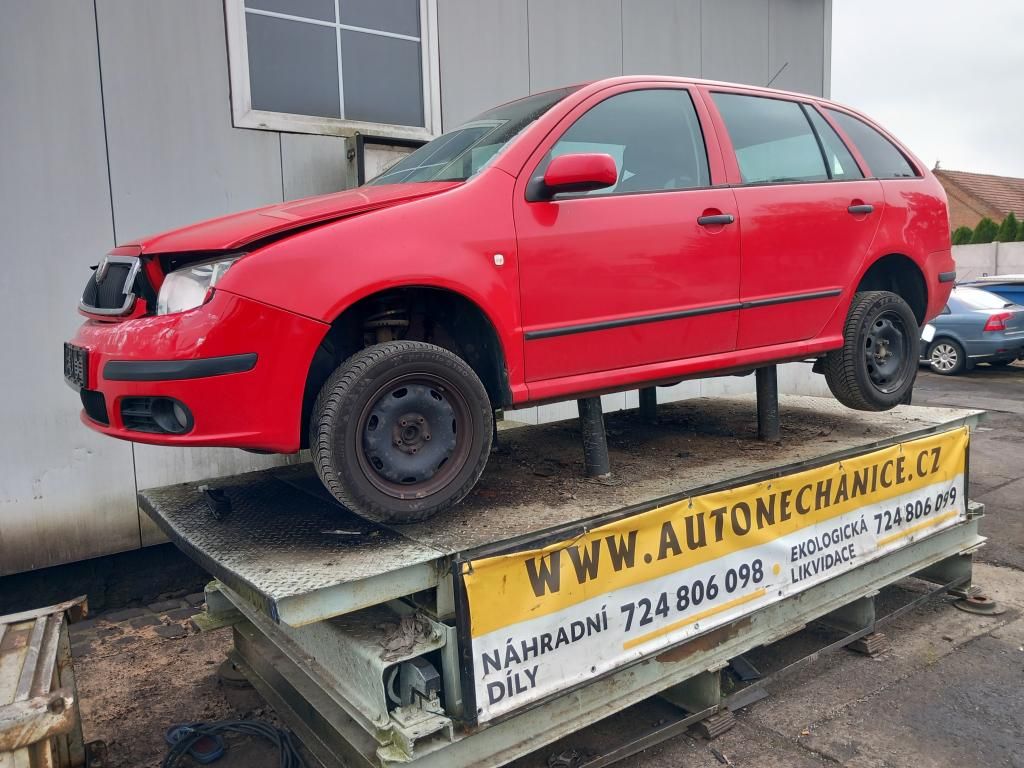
point(238, 366)
point(940, 276)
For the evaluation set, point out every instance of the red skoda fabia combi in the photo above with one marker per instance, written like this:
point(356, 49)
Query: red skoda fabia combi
point(633, 231)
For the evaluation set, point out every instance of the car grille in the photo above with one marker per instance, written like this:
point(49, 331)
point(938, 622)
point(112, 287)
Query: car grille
point(114, 295)
point(137, 415)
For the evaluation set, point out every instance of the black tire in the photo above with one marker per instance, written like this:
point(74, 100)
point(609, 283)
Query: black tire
point(947, 357)
point(411, 392)
point(875, 368)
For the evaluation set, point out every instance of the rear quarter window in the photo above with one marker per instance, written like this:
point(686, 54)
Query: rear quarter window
point(884, 158)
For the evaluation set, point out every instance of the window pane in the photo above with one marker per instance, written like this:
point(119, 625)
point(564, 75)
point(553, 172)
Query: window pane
point(975, 298)
point(885, 160)
point(383, 81)
point(310, 9)
point(401, 16)
point(840, 161)
point(653, 136)
point(293, 66)
point(459, 154)
point(772, 139)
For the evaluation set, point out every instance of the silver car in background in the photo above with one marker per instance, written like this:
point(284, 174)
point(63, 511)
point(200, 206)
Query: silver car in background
point(976, 326)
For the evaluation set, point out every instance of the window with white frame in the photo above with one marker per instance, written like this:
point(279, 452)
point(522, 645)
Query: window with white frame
point(335, 66)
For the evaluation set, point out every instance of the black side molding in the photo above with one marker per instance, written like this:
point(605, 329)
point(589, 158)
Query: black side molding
point(169, 370)
point(604, 325)
point(947, 277)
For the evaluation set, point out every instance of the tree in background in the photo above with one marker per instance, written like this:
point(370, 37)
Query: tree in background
point(1020, 232)
point(985, 232)
point(963, 235)
point(1007, 232)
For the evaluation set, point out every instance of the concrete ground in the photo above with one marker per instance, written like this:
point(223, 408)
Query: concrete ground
point(950, 691)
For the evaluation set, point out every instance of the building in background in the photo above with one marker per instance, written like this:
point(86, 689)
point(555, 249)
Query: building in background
point(125, 118)
point(974, 196)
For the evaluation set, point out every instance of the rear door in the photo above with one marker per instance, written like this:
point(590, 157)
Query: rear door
point(808, 215)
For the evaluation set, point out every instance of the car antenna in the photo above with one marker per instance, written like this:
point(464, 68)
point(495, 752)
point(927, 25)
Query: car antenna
point(769, 84)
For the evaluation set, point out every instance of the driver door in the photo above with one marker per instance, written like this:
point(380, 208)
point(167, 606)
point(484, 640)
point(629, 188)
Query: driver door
point(628, 276)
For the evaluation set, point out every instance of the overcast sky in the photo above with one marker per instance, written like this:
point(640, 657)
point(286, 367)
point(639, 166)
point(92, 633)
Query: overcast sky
point(944, 76)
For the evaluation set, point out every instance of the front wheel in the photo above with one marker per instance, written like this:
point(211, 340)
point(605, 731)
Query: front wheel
point(877, 364)
point(401, 431)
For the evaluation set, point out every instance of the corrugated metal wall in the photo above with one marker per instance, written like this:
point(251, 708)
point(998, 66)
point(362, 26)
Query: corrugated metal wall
point(115, 121)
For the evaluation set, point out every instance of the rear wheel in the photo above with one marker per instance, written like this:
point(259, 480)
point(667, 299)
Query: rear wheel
point(877, 364)
point(401, 431)
point(946, 357)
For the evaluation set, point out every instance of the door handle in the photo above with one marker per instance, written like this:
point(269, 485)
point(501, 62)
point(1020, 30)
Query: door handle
point(860, 209)
point(721, 218)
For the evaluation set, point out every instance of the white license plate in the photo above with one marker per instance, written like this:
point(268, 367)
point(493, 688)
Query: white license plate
point(928, 332)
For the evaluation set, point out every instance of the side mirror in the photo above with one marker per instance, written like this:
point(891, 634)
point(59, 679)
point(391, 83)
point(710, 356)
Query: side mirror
point(583, 172)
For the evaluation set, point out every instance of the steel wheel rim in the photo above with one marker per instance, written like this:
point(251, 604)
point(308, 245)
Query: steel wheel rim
point(944, 357)
point(413, 436)
point(886, 352)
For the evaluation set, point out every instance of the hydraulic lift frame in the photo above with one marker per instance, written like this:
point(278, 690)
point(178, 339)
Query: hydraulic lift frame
point(358, 634)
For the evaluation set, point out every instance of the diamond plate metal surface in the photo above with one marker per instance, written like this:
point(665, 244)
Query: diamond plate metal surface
point(278, 539)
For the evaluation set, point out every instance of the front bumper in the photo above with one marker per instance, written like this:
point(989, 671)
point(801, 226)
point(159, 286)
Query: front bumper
point(238, 366)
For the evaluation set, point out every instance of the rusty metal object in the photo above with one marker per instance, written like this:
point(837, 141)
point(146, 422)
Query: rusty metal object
point(39, 721)
point(872, 644)
point(980, 604)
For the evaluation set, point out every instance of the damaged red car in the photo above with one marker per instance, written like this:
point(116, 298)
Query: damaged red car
point(630, 232)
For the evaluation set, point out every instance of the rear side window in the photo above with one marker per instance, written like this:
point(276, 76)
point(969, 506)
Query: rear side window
point(772, 139)
point(841, 164)
point(653, 135)
point(886, 161)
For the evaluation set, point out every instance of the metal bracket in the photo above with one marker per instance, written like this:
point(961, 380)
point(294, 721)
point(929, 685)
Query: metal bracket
point(595, 442)
point(649, 405)
point(768, 404)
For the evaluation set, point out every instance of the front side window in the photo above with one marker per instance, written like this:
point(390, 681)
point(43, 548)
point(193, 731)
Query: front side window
point(324, 66)
point(654, 137)
point(772, 139)
point(464, 152)
point(886, 161)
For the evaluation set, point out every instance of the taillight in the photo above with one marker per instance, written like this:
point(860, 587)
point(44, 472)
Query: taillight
point(997, 322)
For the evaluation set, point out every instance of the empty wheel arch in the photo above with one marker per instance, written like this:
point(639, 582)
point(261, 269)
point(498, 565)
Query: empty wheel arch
point(898, 274)
point(415, 313)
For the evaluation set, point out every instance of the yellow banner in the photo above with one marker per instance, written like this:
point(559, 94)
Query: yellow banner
point(509, 589)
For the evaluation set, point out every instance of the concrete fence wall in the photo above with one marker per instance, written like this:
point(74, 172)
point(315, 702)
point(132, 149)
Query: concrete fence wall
point(988, 259)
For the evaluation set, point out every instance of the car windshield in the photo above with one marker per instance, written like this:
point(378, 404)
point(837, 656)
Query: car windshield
point(464, 152)
point(975, 298)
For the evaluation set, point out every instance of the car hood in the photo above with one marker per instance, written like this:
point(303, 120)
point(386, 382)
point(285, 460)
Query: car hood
point(237, 230)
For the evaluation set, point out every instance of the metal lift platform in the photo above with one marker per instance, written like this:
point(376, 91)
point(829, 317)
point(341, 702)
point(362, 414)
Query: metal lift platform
point(548, 600)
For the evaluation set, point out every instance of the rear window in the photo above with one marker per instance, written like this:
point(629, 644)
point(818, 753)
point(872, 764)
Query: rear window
point(975, 298)
point(772, 139)
point(886, 161)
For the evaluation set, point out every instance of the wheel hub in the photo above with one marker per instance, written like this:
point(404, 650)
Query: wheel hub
point(410, 433)
point(886, 352)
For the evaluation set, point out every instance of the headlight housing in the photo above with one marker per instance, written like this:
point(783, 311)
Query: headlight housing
point(189, 287)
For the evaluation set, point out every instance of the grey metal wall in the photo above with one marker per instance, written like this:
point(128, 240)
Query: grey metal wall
point(494, 50)
point(115, 121)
